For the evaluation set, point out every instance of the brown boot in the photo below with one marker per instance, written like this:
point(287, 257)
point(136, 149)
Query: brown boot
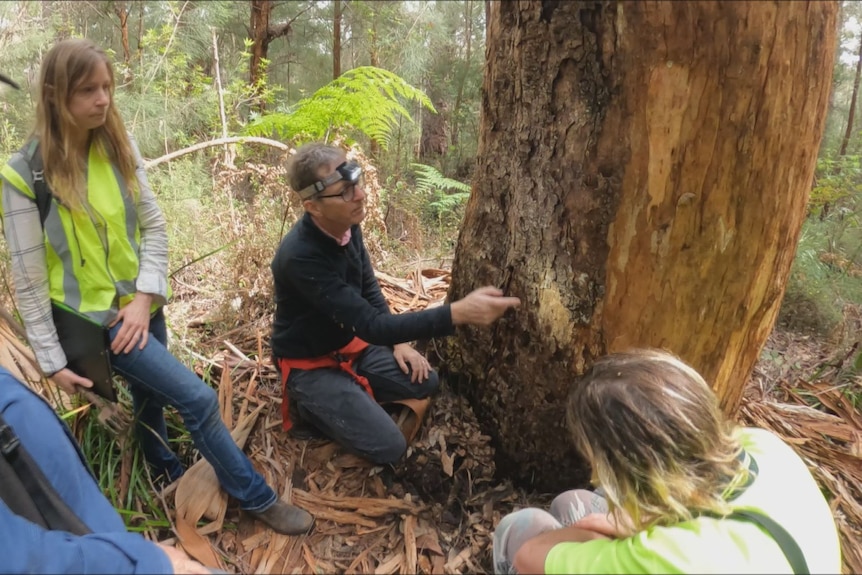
point(285, 518)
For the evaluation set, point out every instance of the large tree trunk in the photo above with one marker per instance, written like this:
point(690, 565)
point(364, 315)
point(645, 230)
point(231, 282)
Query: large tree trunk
point(642, 178)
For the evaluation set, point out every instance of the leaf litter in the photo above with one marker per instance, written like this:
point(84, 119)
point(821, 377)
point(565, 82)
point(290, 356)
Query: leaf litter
point(436, 510)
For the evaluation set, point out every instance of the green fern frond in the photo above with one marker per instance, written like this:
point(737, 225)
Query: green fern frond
point(364, 99)
point(429, 179)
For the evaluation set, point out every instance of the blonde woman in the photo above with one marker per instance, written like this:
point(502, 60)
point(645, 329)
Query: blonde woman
point(684, 489)
point(101, 252)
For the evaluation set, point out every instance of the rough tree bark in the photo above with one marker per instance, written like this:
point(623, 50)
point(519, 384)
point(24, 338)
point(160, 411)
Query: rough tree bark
point(642, 178)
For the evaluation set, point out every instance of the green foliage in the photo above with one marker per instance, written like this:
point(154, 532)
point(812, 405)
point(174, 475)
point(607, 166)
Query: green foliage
point(835, 180)
point(121, 470)
point(365, 100)
point(825, 278)
point(430, 181)
point(433, 201)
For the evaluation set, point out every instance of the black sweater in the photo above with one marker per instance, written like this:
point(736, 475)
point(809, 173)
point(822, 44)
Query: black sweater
point(326, 294)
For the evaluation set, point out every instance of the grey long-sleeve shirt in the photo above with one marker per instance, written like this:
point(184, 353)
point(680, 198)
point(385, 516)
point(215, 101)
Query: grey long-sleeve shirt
point(23, 230)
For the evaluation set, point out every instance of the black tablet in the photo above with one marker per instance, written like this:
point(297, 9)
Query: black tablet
point(87, 348)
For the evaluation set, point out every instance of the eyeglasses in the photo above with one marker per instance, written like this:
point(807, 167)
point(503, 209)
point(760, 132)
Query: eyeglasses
point(347, 193)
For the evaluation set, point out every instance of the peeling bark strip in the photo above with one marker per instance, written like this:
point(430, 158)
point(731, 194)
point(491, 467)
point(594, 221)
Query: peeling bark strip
point(642, 178)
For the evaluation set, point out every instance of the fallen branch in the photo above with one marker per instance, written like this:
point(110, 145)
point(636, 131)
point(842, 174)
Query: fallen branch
point(217, 142)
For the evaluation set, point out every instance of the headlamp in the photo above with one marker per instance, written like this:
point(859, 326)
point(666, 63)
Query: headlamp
point(347, 171)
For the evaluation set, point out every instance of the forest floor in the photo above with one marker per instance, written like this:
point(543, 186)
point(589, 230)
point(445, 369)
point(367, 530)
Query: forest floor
point(435, 512)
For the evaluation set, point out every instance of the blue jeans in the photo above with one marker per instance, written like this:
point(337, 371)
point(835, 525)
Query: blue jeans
point(158, 379)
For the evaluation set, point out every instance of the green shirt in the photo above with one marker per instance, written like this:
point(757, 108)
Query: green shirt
point(783, 489)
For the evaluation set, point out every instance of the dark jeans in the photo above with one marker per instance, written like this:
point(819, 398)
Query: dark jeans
point(157, 379)
point(332, 401)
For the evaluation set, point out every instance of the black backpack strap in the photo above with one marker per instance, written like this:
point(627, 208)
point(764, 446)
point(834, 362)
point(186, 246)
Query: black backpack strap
point(26, 490)
point(43, 194)
point(12, 491)
point(785, 540)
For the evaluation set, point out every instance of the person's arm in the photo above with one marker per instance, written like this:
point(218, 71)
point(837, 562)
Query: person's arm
point(27, 548)
point(531, 557)
point(153, 256)
point(345, 305)
point(23, 230)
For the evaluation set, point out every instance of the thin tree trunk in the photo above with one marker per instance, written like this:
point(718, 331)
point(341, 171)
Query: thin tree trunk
point(487, 17)
point(260, 12)
point(642, 177)
point(336, 39)
point(228, 149)
point(140, 35)
point(851, 117)
point(122, 11)
point(262, 34)
point(468, 30)
point(373, 146)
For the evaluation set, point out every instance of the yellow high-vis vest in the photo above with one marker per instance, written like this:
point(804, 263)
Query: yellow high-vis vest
point(91, 251)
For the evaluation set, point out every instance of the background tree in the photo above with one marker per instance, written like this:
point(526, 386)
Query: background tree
point(262, 32)
point(336, 39)
point(852, 114)
point(634, 187)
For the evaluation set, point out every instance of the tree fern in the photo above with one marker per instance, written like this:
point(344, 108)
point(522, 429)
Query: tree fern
point(366, 99)
point(430, 181)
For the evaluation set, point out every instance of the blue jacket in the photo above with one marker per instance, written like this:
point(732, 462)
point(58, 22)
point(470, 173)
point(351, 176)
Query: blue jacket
point(27, 548)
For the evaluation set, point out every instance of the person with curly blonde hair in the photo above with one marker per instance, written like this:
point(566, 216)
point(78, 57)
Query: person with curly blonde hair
point(683, 489)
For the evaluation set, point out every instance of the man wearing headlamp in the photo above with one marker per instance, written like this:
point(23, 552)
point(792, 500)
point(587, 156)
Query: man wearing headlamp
point(340, 350)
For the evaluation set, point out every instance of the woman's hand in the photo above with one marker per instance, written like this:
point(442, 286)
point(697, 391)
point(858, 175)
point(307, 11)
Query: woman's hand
point(405, 355)
point(69, 381)
point(136, 324)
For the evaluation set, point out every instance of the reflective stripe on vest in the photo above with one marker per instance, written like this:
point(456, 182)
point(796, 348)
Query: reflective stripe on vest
point(91, 252)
